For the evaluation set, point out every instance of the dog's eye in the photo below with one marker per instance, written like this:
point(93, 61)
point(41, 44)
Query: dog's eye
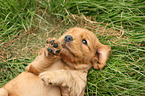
point(84, 41)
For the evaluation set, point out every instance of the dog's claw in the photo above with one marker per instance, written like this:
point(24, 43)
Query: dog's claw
point(50, 83)
point(51, 42)
point(53, 46)
point(50, 50)
point(57, 51)
point(47, 42)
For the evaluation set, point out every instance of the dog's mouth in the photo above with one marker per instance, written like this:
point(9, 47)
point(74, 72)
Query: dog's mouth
point(64, 45)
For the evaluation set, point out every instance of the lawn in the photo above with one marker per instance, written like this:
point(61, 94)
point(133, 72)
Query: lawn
point(25, 24)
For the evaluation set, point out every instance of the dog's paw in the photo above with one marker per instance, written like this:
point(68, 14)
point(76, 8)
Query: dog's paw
point(53, 46)
point(49, 78)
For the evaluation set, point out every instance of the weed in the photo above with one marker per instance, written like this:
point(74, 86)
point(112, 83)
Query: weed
point(25, 24)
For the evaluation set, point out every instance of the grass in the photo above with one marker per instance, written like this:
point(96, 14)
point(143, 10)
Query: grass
point(25, 24)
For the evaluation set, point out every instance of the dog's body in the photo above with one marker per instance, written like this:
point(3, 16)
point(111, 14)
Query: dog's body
point(28, 84)
point(62, 65)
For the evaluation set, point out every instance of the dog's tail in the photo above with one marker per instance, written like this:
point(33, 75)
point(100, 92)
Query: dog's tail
point(3, 92)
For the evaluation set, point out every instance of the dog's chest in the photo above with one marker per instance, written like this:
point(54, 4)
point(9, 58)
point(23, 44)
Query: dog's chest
point(58, 65)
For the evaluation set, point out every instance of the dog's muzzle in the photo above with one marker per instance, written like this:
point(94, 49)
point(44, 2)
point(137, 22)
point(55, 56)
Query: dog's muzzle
point(68, 38)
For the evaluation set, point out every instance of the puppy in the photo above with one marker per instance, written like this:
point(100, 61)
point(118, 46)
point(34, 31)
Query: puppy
point(62, 65)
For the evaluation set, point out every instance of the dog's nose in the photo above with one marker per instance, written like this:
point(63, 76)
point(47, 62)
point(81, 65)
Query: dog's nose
point(68, 38)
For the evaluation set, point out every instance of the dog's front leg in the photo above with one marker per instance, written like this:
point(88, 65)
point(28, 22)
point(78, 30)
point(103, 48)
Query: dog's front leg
point(72, 82)
point(46, 57)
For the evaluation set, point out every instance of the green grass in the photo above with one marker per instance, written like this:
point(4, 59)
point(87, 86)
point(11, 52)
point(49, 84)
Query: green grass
point(16, 16)
point(25, 24)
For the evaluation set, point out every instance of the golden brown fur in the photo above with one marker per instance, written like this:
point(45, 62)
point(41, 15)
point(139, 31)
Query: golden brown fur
point(64, 73)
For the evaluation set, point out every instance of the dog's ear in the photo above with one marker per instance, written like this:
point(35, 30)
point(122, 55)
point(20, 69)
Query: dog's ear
point(102, 53)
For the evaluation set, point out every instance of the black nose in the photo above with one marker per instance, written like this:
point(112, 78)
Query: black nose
point(68, 38)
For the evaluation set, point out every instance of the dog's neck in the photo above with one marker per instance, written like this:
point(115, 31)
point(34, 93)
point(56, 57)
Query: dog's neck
point(77, 66)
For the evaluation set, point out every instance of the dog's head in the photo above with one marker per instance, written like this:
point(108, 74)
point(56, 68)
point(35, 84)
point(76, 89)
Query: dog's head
point(81, 46)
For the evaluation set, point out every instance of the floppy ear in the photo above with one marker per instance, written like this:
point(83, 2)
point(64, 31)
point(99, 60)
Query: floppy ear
point(99, 61)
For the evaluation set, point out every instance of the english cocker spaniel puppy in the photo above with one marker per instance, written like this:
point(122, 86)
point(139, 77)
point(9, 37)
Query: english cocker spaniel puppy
point(61, 67)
